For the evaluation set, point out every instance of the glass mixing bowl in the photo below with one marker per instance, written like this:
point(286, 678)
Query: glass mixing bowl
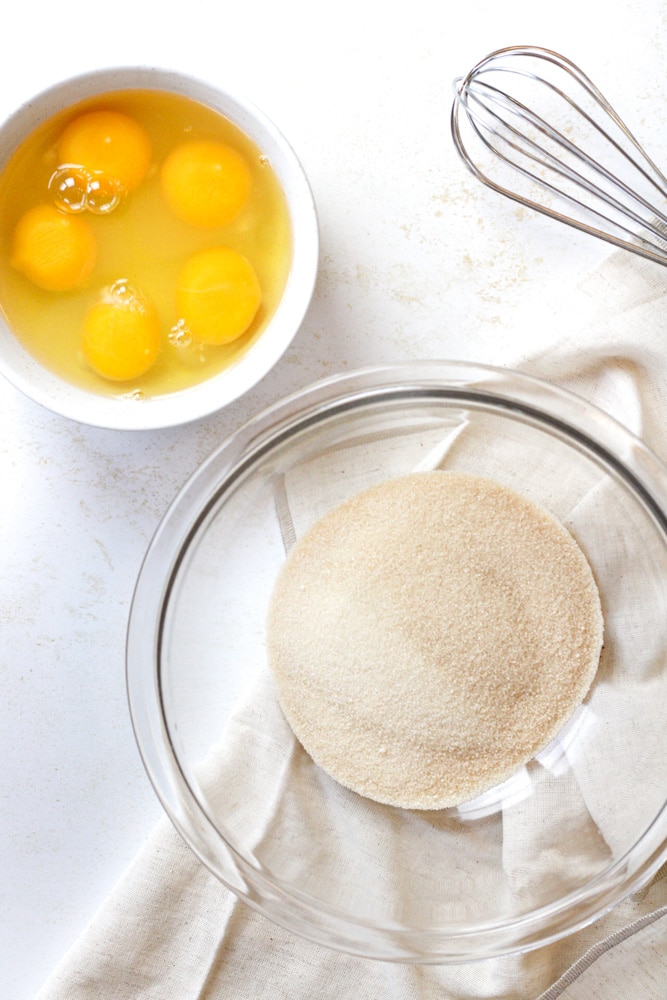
point(549, 850)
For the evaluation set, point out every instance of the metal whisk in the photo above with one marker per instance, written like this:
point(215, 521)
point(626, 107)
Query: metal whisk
point(531, 125)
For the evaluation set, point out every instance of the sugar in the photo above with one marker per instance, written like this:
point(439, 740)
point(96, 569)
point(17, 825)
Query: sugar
point(430, 635)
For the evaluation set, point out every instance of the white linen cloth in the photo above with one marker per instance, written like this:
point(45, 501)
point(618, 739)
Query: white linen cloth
point(171, 931)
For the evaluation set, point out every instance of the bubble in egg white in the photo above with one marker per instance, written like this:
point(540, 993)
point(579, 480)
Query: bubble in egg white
point(180, 335)
point(68, 189)
point(122, 293)
point(75, 189)
point(103, 195)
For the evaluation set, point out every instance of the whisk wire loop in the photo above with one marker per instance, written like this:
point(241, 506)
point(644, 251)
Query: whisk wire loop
point(554, 157)
point(527, 147)
point(522, 112)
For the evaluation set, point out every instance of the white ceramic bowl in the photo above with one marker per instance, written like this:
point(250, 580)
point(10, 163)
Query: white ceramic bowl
point(33, 379)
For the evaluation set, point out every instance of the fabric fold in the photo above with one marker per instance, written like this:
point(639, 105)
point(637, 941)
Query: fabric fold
point(171, 931)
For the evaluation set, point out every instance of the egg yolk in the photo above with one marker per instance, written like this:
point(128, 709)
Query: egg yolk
point(205, 183)
point(121, 334)
point(109, 143)
point(217, 295)
point(55, 251)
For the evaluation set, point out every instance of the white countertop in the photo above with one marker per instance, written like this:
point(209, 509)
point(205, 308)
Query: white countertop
point(417, 260)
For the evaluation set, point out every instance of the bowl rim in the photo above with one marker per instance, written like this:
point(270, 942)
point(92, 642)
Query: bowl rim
point(120, 412)
point(511, 391)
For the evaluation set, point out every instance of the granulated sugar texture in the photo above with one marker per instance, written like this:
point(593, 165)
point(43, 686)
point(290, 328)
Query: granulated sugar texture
point(430, 635)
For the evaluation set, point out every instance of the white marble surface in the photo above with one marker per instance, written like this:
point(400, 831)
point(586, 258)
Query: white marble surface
point(418, 260)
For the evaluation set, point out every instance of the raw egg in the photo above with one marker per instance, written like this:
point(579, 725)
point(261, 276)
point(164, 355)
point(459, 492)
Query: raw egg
point(55, 251)
point(121, 333)
point(172, 195)
point(108, 143)
point(206, 183)
point(217, 295)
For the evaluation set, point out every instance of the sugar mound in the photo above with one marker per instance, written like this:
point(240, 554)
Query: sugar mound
point(430, 635)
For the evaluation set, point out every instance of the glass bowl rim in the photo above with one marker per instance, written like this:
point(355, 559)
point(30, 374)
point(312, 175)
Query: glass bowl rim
point(527, 398)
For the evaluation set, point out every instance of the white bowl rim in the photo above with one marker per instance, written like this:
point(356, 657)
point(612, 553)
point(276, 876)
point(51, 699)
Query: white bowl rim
point(122, 412)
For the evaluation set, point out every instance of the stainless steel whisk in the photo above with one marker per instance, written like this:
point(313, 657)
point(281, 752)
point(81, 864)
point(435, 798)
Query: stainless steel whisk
point(531, 125)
